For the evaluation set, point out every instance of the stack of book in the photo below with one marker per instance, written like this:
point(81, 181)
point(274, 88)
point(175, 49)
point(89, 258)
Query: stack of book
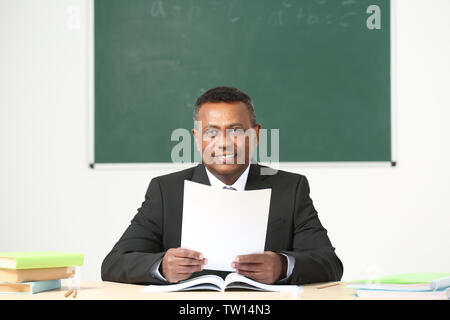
point(37, 271)
point(434, 286)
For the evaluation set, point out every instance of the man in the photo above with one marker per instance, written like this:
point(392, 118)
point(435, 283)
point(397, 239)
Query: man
point(297, 248)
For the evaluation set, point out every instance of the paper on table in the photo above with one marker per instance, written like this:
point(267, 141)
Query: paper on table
point(222, 224)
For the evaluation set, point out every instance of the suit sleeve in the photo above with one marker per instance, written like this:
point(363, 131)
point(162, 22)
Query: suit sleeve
point(315, 258)
point(132, 257)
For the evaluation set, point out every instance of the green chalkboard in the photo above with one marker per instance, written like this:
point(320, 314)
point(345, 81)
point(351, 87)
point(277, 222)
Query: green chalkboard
point(317, 70)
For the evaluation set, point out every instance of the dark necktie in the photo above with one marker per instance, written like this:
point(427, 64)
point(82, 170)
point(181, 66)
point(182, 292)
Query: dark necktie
point(229, 188)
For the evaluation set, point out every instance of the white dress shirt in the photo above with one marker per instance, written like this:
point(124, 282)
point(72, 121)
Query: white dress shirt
point(239, 185)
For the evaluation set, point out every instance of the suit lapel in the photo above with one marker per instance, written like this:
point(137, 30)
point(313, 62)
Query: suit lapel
point(200, 175)
point(255, 180)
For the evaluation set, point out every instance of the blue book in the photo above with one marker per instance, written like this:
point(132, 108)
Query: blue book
point(30, 287)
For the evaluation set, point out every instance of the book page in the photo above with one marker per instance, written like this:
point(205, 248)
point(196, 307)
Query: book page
point(235, 280)
point(222, 224)
point(211, 282)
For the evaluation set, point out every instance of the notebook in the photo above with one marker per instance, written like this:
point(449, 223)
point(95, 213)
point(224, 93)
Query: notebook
point(441, 294)
point(41, 274)
point(405, 282)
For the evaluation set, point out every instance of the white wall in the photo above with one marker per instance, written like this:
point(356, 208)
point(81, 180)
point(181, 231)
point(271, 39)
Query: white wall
point(379, 219)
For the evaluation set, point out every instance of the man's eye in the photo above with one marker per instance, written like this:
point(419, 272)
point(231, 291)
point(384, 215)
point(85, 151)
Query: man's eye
point(237, 131)
point(210, 133)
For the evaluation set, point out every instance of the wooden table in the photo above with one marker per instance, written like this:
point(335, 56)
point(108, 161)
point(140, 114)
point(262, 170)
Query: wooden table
point(103, 290)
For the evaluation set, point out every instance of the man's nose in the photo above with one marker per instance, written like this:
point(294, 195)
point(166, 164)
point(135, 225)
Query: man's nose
point(225, 142)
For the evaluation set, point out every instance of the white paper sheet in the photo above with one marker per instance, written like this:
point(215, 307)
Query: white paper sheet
point(222, 224)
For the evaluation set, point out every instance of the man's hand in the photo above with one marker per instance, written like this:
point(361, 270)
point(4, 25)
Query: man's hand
point(179, 264)
point(268, 267)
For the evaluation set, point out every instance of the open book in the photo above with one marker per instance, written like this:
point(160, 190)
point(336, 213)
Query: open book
point(216, 283)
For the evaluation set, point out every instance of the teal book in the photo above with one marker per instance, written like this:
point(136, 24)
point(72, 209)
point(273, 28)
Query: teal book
point(30, 287)
point(39, 259)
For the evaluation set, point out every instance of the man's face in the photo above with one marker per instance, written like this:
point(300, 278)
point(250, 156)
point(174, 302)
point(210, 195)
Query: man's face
point(223, 137)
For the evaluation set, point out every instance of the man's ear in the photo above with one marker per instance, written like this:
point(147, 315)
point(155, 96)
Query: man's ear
point(197, 140)
point(257, 128)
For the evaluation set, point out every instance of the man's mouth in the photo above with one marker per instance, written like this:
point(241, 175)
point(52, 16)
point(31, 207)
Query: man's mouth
point(224, 158)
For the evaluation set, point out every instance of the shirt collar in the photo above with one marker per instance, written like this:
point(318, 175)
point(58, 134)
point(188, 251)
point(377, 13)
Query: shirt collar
point(239, 184)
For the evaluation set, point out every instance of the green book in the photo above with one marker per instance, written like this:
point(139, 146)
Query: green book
point(39, 259)
point(405, 282)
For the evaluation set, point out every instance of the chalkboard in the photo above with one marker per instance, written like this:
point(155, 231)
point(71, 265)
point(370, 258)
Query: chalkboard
point(317, 70)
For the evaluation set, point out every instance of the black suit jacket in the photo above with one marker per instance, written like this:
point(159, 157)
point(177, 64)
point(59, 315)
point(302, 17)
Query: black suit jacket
point(293, 228)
